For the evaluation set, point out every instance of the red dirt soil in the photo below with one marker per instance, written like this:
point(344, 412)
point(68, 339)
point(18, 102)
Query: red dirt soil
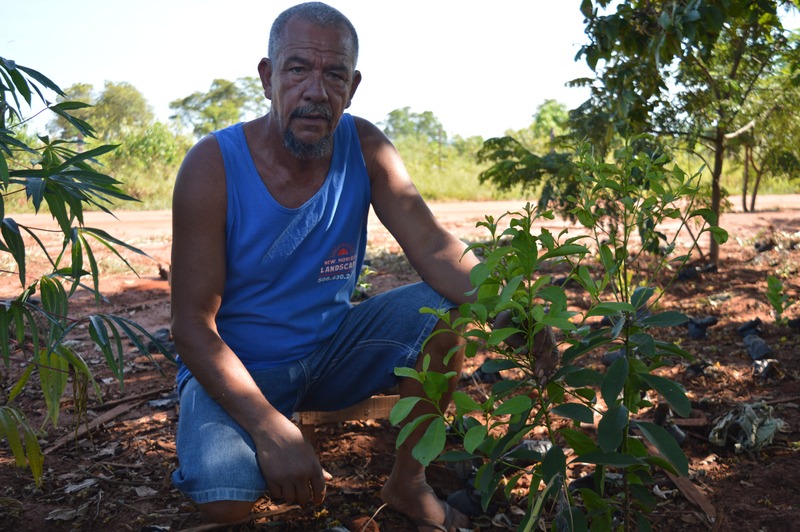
point(117, 476)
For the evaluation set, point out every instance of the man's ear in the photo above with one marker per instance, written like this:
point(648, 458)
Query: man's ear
point(265, 73)
point(353, 87)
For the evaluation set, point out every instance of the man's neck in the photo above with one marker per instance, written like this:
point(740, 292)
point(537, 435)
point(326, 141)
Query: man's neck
point(290, 180)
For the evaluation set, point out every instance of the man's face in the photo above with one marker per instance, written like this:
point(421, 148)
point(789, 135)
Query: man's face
point(310, 84)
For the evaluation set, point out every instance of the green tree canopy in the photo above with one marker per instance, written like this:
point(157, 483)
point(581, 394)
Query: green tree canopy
point(406, 123)
point(117, 111)
point(681, 70)
point(225, 103)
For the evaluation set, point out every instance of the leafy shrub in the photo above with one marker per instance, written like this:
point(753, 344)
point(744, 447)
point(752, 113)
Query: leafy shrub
point(623, 313)
point(33, 332)
point(778, 299)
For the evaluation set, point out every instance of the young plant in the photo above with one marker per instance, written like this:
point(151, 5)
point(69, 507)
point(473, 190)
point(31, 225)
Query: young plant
point(778, 299)
point(33, 333)
point(596, 415)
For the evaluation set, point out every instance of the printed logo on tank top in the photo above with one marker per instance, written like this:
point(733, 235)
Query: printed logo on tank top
point(339, 265)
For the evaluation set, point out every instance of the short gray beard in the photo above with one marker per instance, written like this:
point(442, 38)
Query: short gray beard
point(307, 151)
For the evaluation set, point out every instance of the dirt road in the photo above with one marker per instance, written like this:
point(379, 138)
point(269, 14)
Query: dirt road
point(151, 231)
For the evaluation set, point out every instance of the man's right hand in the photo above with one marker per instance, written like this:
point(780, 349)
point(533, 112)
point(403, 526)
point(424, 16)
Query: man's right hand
point(289, 464)
point(545, 347)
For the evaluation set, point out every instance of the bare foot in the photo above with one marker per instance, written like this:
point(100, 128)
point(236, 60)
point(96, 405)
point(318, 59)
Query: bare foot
point(416, 500)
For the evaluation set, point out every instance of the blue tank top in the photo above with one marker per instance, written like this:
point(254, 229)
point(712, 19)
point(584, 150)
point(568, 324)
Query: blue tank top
point(290, 273)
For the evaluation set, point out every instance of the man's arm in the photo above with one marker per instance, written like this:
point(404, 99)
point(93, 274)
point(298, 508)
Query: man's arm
point(434, 252)
point(287, 461)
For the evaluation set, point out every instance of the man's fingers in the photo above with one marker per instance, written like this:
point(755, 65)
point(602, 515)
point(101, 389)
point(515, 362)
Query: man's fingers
point(302, 493)
point(546, 353)
point(317, 486)
point(275, 490)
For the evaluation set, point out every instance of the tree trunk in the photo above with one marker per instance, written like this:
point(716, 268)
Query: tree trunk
point(716, 191)
point(746, 177)
point(759, 173)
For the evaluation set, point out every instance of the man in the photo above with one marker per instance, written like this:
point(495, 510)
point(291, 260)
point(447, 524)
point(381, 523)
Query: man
point(269, 233)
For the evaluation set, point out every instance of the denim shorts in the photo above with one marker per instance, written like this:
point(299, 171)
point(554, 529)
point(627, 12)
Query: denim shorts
point(216, 456)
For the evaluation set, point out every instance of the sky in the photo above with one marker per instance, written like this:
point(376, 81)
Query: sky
point(480, 66)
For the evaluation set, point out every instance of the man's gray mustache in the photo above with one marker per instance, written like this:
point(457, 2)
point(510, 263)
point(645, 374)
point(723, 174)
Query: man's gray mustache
point(312, 111)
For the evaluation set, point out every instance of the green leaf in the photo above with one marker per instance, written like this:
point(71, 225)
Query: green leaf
point(614, 381)
point(612, 308)
point(586, 8)
point(456, 456)
point(584, 377)
point(515, 405)
point(436, 385)
point(609, 458)
point(607, 259)
point(707, 214)
point(128, 327)
point(431, 444)
point(587, 281)
point(510, 289)
point(565, 251)
point(554, 464)
point(498, 336)
point(669, 318)
point(20, 385)
point(611, 428)
point(642, 523)
point(585, 218)
point(671, 391)
point(672, 349)
point(3, 177)
point(464, 403)
point(410, 373)
point(584, 346)
point(719, 234)
point(411, 426)
point(474, 438)
point(575, 411)
point(53, 373)
point(42, 79)
point(619, 323)
point(494, 365)
point(21, 84)
point(99, 335)
point(641, 295)
point(657, 461)
point(666, 445)
point(644, 343)
point(643, 495)
point(13, 241)
point(12, 421)
point(479, 273)
point(402, 408)
point(578, 441)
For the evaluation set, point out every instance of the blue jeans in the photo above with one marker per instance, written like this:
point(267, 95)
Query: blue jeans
point(217, 457)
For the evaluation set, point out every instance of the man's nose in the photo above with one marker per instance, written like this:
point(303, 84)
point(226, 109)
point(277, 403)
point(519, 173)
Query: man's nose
point(315, 89)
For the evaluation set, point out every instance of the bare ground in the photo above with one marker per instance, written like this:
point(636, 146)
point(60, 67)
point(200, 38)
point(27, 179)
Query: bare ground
point(116, 476)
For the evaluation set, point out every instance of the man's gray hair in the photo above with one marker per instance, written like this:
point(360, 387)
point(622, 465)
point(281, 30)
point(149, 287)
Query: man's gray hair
point(317, 13)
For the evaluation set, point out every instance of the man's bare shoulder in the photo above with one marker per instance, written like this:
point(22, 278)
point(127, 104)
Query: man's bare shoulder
point(201, 177)
point(379, 153)
point(369, 132)
point(206, 151)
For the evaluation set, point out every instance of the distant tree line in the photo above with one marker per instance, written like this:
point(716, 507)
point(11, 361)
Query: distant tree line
point(715, 82)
